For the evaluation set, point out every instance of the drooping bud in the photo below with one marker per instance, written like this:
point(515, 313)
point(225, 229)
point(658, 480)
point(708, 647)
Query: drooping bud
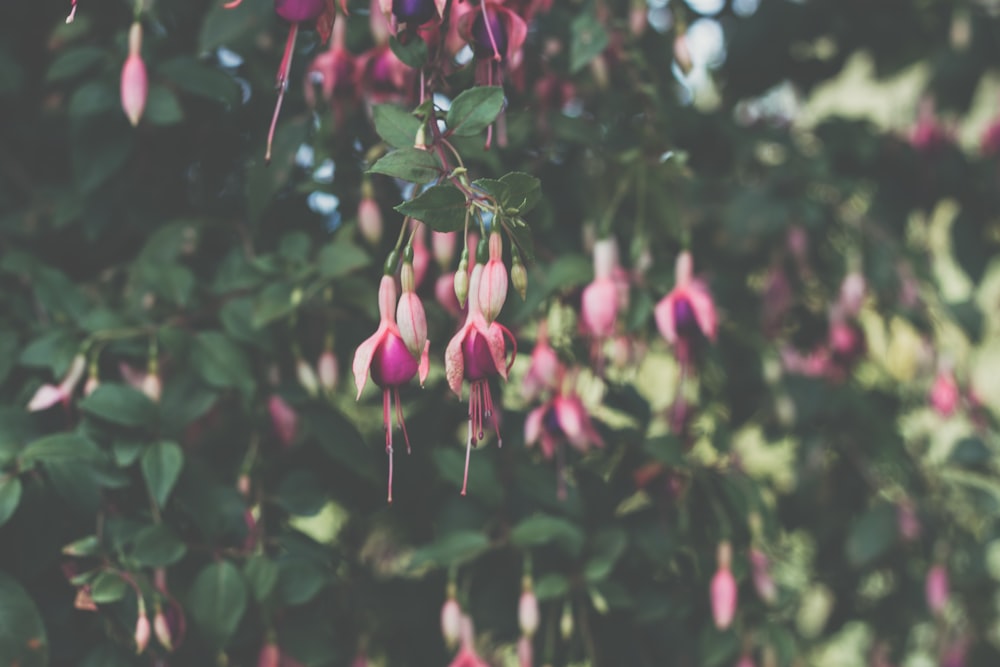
point(462, 279)
point(907, 521)
point(566, 622)
point(945, 396)
point(525, 652)
point(451, 620)
point(936, 589)
point(852, 294)
point(152, 387)
point(270, 655)
point(518, 274)
point(142, 629)
point(306, 376)
point(369, 217)
point(414, 12)
point(493, 284)
point(284, 419)
point(724, 592)
point(410, 314)
point(763, 582)
point(328, 371)
point(162, 630)
point(134, 81)
point(599, 302)
point(527, 609)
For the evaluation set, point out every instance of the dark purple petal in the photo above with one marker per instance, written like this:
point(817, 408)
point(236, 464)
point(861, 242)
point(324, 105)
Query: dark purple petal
point(478, 361)
point(481, 42)
point(415, 12)
point(297, 11)
point(393, 365)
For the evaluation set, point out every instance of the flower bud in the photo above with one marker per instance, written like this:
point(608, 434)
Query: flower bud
point(91, 385)
point(284, 420)
point(763, 582)
point(945, 396)
point(723, 590)
point(907, 521)
point(162, 630)
point(370, 220)
point(519, 277)
point(936, 589)
point(451, 621)
point(525, 652)
point(410, 314)
point(152, 387)
point(527, 609)
point(852, 294)
point(493, 284)
point(327, 369)
point(306, 377)
point(141, 630)
point(462, 280)
point(566, 622)
point(134, 82)
point(45, 397)
point(270, 655)
point(443, 244)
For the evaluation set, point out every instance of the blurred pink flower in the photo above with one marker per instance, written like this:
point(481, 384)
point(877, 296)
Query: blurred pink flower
point(936, 589)
point(723, 589)
point(945, 396)
point(134, 81)
point(687, 313)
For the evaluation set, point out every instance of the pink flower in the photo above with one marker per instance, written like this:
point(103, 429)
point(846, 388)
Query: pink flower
point(72, 12)
point(928, 135)
point(525, 652)
point(478, 353)
point(687, 313)
point(562, 419)
point(599, 303)
point(370, 220)
point(527, 611)
point(328, 371)
point(382, 77)
point(142, 629)
point(545, 368)
point(493, 284)
point(410, 314)
point(270, 655)
point(467, 656)
point(745, 661)
point(162, 630)
point(989, 144)
point(134, 82)
point(936, 589)
point(284, 419)
point(391, 363)
point(724, 592)
point(333, 69)
point(451, 621)
point(907, 521)
point(760, 570)
point(852, 294)
point(945, 396)
point(443, 246)
point(48, 395)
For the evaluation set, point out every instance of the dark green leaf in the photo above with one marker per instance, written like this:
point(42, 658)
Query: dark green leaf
point(450, 550)
point(221, 363)
point(10, 497)
point(474, 109)
point(61, 447)
point(542, 529)
point(397, 127)
point(161, 466)
point(108, 587)
point(524, 191)
point(162, 107)
point(262, 576)
point(55, 351)
point(970, 451)
point(274, 302)
point(94, 97)
point(197, 78)
point(23, 641)
point(217, 601)
point(157, 546)
point(588, 38)
point(607, 547)
point(300, 493)
point(871, 535)
point(300, 580)
point(339, 258)
point(413, 53)
point(410, 164)
point(483, 481)
point(120, 404)
point(551, 586)
point(74, 62)
point(440, 207)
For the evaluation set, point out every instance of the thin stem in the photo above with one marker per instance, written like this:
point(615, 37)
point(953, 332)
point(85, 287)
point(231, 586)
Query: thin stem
point(282, 84)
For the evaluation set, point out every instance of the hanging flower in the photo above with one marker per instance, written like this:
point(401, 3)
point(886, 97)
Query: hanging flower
point(391, 363)
point(48, 395)
point(687, 314)
point(134, 81)
point(478, 353)
point(562, 419)
point(544, 369)
point(724, 593)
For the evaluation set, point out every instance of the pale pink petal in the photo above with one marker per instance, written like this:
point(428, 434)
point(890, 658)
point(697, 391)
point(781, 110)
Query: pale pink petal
point(45, 397)
point(364, 354)
point(683, 269)
point(425, 364)
point(454, 360)
point(517, 31)
point(704, 309)
point(494, 339)
point(412, 322)
point(664, 316)
point(533, 425)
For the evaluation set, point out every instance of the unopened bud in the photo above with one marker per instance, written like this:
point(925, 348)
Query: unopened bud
point(723, 589)
point(370, 220)
point(443, 245)
point(152, 387)
point(327, 370)
point(142, 630)
point(519, 277)
point(269, 656)
point(134, 81)
point(566, 622)
point(451, 622)
point(162, 630)
point(462, 281)
point(307, 377)
point(937, 589)
point(527, 609)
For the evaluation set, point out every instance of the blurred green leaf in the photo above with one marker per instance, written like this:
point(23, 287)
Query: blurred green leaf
point(58, 447)
point(161, 466)
point(440, 207)
point(23, 640)
point(10, 497)
point(217, 601)
point(413, 53)
point(157, 546)
point(450, 550)
point(221, 363)
point(871, 535)
point(120, 404)
point(588, 38)
point(410, 164)
point(108, 587)
point(73, 62)
point(474, 109)
point(162, 107)
point(339, 258)
point(195, 77)
point(541, 530)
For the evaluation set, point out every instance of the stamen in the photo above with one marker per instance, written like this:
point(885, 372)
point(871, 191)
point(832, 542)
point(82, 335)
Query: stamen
point(282, 84)
point(468, 453)
point(232, 4)
point(490, 412)
point(399, 418)
point(489, 31)
point(390, 474)
point(72, 13)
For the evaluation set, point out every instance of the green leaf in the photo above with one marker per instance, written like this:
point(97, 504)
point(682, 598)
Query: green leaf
point(413, 53)
point(542, 529)
point(450, 550)
point(10, 497)
point(588, 39)
point(551, 586)
point(120, 404)
point(234, 29)
point(300, 580)
point(217, 601)
point(108, 587)
point(195, 77)
point(440, 207)
point(871, 535)
point(970, 451)
point(524, 191)
point(397, 127)
point(221, 363)
point(300, 493)
point(339, 258)
point(157, 546)
point(61, 447)
point(162, 107)
point(100, 148)
point(474, 109)
point(262, 574)
point(74, 62)
point(94, 97)
point(23, 641)
point(410, 164)
point(161, 466)
point(85, 546)
point(55, 351)
point(607, 546)
point(274, 302)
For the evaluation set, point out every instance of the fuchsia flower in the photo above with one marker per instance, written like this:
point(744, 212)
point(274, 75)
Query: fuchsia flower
point(72, 12)
point(492, 291)
point(545, 369)
point(600, 302)
point(562, 419)
point(936, 589)
point(928, 135)
point(525, 652)
point(48, 395)
point(467, 655)
point(134, 82)
point(284, 419)
point(478, 353)
point(142, 629)
point(382, 77)
point(328, 371)
point(370, 220)
point(687, 313)
point(443, 246)
point(907, 521)
point(989, 143)
point(760, 571)
point(333, 69)
point(724, 592)
point(390, 357)
point(527, 609)
point(270, 655)
point(945, 395)
point(451, 620)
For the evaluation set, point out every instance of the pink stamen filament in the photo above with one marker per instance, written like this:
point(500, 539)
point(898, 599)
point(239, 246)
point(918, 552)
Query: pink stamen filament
point(468, 453)
point(399, 418)
point(386, 421)
point(232, 4)
point(282, 84)
point(489, 31)
point(72, 13)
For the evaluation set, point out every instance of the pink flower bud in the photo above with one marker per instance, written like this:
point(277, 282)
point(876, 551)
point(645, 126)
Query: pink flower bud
point(444, 292)
point(907, 521)
point(162, 630)
point(527, 611)
point(945, 396)
point(306, 377)
point(451, 622)
point(745, 661)
point(370, 220)
point(410, 316)
point(493, 284)
point(269, 656)
point(152, 387)
point(328, 371)
point(462, 282)
point(525, 652)
point(852, 294)
point(45, 397)
point(141, 630)
point(936, 589)
point(763, 582)
point(284, 419)
point(443, 244)
point(682, 54)
point(91, 385)
point(134, 82)
point(724, 592)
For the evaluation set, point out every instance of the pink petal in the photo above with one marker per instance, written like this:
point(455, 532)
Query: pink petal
point(425, 363)
point(664, 315)
point(533, 425)
point(704, 309)
point(517, 31)
point(45, 397)
point(494, 339)
point(454, 360)
point(364, 354)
